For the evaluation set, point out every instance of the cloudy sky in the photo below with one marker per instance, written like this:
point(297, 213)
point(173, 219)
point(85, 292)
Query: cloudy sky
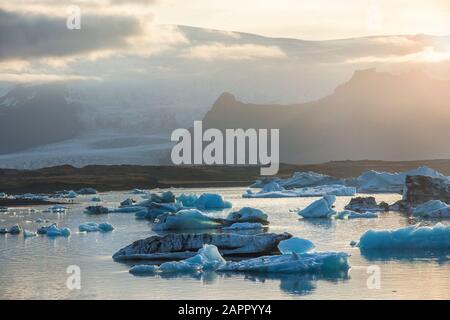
point(36, 44)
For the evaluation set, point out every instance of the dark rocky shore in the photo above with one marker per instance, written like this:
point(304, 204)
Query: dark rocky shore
point(126, 177)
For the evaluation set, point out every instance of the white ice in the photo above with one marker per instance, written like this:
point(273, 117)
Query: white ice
point(349, 214)
point(321, 208)
point(295, 245)
point(244, 226)
point(374, 181)
point(335, 189)
point(432, 209)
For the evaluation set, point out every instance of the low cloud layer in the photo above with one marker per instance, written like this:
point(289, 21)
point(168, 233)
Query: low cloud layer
point(218, 51)
point(36, 36)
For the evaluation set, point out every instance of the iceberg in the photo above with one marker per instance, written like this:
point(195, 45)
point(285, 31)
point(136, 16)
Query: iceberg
point(161, 197)
point(207, 258)
point(434, 209)
point(244, 226)
point(94, 227)
point(138, 191)
point(96, 210)
point(13, 230)
point(153, 210)
point(127, 202)
point(300, 180)
point(349, 214)
point(314, 262)
point(211, 201)
point(182, 246)
point(337, 190)
point(29, 234)
point(374, 181)
point(248, 214)
point(364, 204)
point(87, 191)
point(143, 269)
point(184, 220)
point(407, 238)
point(57, 208)
point(54, 231)
point(187, 200)
point(295, 245)
point(321, 208)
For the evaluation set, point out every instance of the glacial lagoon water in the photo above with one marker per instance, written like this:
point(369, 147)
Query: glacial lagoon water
point(35, 268)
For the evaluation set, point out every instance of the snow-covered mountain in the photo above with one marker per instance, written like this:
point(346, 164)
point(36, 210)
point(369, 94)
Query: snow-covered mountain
point(123, 107)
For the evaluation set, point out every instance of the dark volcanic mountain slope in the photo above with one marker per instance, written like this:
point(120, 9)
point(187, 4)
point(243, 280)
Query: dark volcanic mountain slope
point(36, 115)
point(375, 115)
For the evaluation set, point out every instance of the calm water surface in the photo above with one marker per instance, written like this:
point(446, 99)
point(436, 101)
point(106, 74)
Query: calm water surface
point(35, 268)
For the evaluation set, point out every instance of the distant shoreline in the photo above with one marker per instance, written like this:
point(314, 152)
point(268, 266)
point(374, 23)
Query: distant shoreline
point(127, 177)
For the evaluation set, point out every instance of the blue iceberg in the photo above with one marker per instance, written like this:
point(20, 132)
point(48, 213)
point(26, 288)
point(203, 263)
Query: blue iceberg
point(184, 220)
point(314, 262)
point(54, 231)
point(94, 227)
point(407, 238)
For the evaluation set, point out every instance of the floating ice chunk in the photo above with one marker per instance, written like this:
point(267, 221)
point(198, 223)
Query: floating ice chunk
point(3, 195)
point(96, 210)
point(94, 227)
point(373, 181)
point(71, 194)
point(322, 208)
point(300, 180)
point(161, 197)
point(54, 231)
point(211, 201)
point(129, 209)
point(127, 202)
point(248, 214)
point(15, 229)
point(184, 220)
point(349, 214)
point(412, 237)
point(187, 200)
point(244, 226)
point(87, 191)
point(143, 269)
point(320, 262)
point(96, 199)
point(105, 227)
point(154, 210)
point(28, 234)
point(57, 208)
point(295, 245)
point(272, 186)
point(338, 190)
point(432, 209)
point(207, 258)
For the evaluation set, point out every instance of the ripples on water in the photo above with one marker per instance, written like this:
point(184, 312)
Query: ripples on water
point(35, 268)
